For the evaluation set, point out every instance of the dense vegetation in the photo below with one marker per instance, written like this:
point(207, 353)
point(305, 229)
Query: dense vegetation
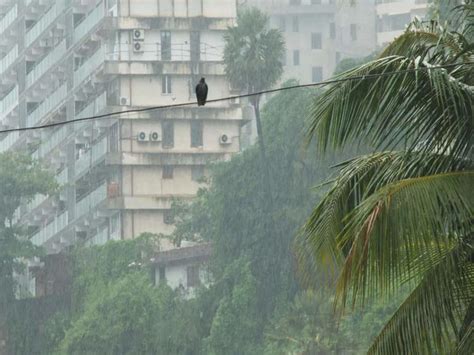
point(254, 306)
point(403, 215)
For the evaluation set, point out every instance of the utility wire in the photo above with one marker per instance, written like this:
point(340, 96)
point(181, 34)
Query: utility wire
point(193, 103)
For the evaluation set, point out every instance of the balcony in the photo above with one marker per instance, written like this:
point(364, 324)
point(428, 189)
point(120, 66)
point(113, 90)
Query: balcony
point(91, 157)
point(61, 178)
point(48, 105)
point(52, 142)
point(8, 19)
point(44, 22)
point(46, 233)
point(8, 103)
point(42, 67)
point(91, 201)
point(8, 59)
point(99, 239)
point(89, 22)
point(33, 204)
point(90, 66)
point(9, 141)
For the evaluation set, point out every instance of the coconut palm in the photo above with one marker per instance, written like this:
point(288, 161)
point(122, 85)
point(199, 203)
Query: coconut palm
point(403, 215)
point(252, 57)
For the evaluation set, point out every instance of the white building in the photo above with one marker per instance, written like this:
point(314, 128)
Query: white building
point(394, 15)
point(184, 268)
point(68, 59)
point(320, 33)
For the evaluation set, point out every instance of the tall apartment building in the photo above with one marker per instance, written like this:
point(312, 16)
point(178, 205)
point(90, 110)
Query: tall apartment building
point(394, 15)
point(68, 59)
point(320, 33)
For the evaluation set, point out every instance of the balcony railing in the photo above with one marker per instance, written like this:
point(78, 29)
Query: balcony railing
point(48, 61)
point(8, 59)
point(99, 239)
point(33, 204)
point(47, 106)
point(91, 201)
point(7, 142)
point(92, 156)
point(89, 66)
point(8, 19)
point(53, 141)
point(9, 102)
point(89, 22)
point(46, 233)
point(44, 22)
point(61, 178)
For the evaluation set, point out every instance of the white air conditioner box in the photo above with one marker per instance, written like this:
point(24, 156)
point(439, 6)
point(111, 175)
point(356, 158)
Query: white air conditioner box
point(142, 136)
point(154, 136)
point(225, 139)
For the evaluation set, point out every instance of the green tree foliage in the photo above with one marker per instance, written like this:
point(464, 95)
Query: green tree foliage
point(253, 52)
point(403, 215)
point(252, 57)
point(20, 180)
point(309, 326)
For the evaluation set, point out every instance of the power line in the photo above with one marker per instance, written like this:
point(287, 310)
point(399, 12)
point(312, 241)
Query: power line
point(193, 103)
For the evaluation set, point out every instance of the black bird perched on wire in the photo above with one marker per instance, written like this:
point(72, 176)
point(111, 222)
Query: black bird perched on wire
point(201, 92)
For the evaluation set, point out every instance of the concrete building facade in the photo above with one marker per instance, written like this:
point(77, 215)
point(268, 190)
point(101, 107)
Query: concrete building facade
point(394, 15)
point(68, 59)
point(320, 33)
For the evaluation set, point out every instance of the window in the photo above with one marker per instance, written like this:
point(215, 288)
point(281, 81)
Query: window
point(296, 57)
point(168, 217)
point(165, 45)
point(316, 41)
point(196, 133)
point(282, 24)
point(192, 273)
point(317, 74)
point(353, 31)
point(195, 46)
point(332, 30)
point(166, 84)
point(296, 26)
point(167, 132)
point(197, 173)
point(114, 138)
point(162, 274)
point(168, 172)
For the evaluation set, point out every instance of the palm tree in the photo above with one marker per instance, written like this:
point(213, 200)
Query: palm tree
point(252, 58)
point(403, 215)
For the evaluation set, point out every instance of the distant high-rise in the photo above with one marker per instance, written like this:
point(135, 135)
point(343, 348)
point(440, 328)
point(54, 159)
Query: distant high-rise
point(68, 59)
point(320, 33)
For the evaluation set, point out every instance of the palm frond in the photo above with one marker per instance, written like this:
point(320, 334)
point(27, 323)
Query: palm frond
point(399, 223)
point(427, 110)
point(430, 42)
point(357, 179)
point(426, 321)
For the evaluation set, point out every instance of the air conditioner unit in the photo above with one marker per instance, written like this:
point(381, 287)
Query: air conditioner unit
point(138, 35)
point(124, 101)
point(225, 139)
point(154, 137)
point(142, 137)
point(137, 47)
point(234, 101)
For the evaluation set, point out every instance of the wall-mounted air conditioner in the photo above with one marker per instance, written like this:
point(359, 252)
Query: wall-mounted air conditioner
point(154, 137)
point(225, 139)
point(124, 101)
point(142, 137)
